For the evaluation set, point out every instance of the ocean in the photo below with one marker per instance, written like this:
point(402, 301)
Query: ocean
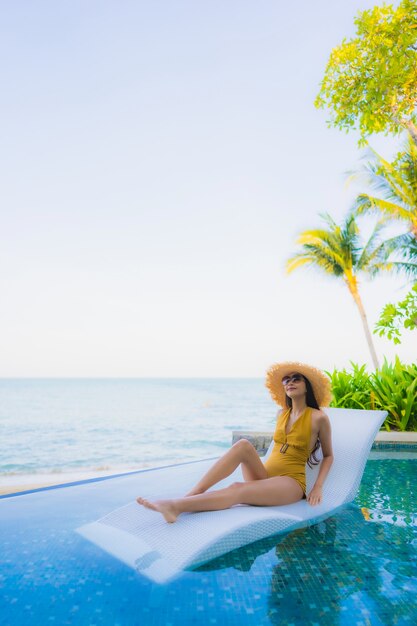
point(70, 425)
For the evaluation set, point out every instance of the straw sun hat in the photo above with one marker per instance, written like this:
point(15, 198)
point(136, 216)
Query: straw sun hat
point(319, 381)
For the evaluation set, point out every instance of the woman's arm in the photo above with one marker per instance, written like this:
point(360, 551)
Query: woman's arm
point(325, 435)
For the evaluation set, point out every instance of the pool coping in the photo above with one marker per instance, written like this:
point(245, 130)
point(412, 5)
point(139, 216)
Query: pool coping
point(98, 479)
point(384, 440)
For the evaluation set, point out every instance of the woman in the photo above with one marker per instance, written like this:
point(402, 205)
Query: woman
point(301, 428)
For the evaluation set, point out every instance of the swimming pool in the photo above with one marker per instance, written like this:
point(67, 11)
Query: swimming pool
point(357, 567)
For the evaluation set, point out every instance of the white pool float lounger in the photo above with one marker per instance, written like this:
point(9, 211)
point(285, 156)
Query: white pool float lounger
point(143, 540)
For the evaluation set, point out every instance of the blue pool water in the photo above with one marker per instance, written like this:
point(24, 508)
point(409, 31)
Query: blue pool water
point(357, 567)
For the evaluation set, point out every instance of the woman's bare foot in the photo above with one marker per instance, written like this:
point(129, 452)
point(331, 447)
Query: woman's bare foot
point(165, 507)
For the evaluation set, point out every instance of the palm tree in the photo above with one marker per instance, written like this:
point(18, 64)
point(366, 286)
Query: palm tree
point(338, 252)
point(397, 182)
point(403, 248)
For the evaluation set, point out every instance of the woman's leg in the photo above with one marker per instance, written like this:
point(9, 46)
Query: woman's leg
point(241, 452)
point(274, 491)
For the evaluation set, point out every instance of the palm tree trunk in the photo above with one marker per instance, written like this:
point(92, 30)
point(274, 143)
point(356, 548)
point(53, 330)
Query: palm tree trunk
point(355, 293)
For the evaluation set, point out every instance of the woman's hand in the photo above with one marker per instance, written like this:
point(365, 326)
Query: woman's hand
point(315, 495)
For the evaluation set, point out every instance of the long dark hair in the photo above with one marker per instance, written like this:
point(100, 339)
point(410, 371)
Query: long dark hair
point(311, 402)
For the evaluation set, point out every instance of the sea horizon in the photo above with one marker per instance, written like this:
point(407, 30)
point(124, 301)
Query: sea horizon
point(56, 425)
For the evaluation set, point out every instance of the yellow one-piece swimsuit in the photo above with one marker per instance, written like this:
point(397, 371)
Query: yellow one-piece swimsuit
point(290, 452)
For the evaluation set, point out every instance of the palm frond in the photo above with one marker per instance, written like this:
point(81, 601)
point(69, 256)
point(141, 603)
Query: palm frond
point(389, 183)
point(364, 203)
point(329, 220)
point(395, 184)
point(406, 162)
point(339, 251)
point(405, 267)
point(324, 245)
point(381, 171)
point(314, 261)
point(299, 260)
point(308, 236)
point(373, 251)
point(405, 244)
point(328, 258)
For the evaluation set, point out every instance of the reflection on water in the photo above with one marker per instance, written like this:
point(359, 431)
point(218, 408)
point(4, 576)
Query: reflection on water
point(361, 561)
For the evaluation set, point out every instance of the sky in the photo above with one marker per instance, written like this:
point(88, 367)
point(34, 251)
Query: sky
point(158, 161)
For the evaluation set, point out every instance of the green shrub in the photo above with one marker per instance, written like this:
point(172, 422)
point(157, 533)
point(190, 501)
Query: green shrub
point(351, 389)
point(393, 388)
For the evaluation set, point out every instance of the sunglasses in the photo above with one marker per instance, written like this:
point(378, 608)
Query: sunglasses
point(295, 378)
